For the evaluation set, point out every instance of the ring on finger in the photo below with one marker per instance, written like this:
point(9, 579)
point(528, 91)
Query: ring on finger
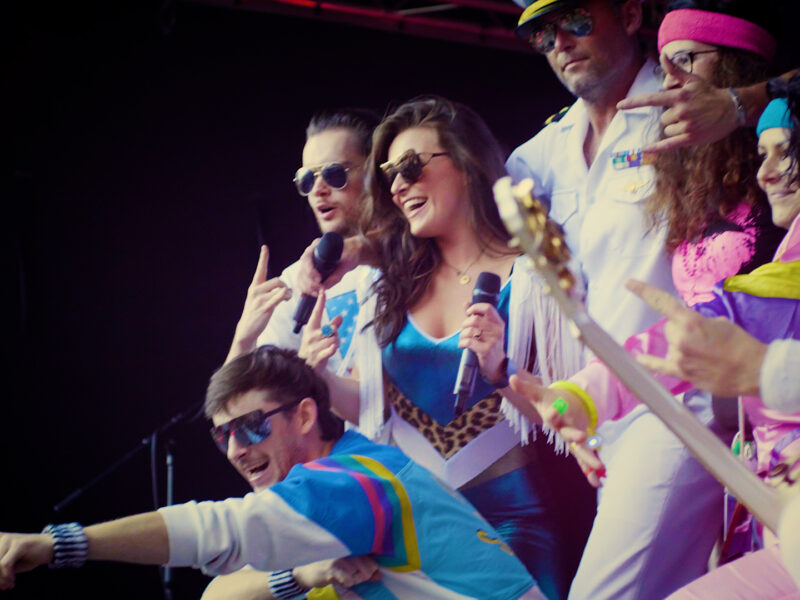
point(327, 330)
point(595, 442)
point(573, 446)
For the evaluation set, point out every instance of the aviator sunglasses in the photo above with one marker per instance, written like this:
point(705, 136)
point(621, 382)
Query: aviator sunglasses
point(333, 174)
point(250, 428)
point(577, 22)
point(409, 165)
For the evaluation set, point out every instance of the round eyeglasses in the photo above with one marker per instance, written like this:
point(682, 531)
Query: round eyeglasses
point(684, 60)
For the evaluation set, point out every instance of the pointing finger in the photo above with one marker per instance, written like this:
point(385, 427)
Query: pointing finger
point(659, 300)
point(315, 320)
point(676, 73)
point(260, 276)
point(660, 365)
point(676, 141)
point(666, 98)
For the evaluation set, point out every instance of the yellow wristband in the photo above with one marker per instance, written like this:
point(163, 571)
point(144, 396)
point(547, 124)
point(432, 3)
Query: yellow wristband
point(326, 593)
point(586, 400)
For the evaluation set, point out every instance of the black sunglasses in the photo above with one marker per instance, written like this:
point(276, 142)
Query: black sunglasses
point(577, 22)
point(409, 165)
point(250, 428)
point(333, 174)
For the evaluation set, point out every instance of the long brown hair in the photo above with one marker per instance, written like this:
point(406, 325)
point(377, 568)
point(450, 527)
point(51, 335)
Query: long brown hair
point(699, 185)
point(407, 262)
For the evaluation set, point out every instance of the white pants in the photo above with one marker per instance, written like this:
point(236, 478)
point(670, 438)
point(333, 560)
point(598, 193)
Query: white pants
point(658, 515)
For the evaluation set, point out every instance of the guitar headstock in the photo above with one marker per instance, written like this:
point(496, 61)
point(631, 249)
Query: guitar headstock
point(542, 239)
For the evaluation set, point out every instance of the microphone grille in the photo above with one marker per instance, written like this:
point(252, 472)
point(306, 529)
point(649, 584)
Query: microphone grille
point(329, 249)
point(488, 283)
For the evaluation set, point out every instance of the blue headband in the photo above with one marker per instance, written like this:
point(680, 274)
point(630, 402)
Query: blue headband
point(775, 115)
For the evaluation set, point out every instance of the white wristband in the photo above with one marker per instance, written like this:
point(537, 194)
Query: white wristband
point(284, 586)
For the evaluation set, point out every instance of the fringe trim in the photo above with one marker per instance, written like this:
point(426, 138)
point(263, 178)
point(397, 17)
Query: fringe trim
point(559, 355)
point(368, 361)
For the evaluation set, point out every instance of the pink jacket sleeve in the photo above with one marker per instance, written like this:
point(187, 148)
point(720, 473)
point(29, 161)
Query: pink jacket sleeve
point(612, 398)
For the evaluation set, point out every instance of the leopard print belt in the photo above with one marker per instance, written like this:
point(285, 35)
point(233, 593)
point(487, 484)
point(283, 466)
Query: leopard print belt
point(448, 439)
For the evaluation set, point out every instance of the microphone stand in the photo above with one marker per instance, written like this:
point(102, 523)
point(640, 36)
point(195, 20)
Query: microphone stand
point(151, 442)
point(166, 572)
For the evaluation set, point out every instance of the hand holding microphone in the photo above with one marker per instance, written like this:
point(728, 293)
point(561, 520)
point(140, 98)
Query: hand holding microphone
point(326, 258)
point(482, 337)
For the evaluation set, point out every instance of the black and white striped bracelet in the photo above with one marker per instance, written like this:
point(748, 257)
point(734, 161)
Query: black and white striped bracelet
point(70, 548)
point(283, 585)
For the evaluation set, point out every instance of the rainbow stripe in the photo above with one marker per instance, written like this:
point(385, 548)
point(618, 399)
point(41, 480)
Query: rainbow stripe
point(395, 540)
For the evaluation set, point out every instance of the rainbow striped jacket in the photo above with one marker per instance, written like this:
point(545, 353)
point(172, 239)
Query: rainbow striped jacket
point(363, 498)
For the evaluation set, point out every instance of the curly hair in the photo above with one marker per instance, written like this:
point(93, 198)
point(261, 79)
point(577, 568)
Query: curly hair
point(407, 262)
point(280, 373)
point(700, 185)
point(778, 88)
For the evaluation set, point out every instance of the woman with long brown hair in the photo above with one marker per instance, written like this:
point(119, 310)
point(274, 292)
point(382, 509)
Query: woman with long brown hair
point(432, 226)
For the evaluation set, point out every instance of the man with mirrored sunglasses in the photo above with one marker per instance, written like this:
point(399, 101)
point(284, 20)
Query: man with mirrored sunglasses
point(320, 494)
point(331, 180)
point(589, 168)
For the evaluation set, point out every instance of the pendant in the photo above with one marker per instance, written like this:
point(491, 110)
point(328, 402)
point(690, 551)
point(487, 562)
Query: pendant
point(464, 279)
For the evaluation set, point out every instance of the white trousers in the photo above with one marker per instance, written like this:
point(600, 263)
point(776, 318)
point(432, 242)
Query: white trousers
point(658, 515)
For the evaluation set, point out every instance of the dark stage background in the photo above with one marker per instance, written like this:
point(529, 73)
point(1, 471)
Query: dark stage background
point(145, 170)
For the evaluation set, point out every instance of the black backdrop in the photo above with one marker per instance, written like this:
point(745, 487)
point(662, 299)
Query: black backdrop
point(144, 171)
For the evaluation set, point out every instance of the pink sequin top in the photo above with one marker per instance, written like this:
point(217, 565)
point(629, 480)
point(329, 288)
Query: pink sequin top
point(722, 252)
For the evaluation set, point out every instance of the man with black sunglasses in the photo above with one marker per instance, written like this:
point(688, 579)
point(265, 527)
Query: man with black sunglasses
point(331, 179)
point(320, 493)
point(588, 166)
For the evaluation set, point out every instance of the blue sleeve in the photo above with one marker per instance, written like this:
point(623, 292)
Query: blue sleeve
point(335, 499)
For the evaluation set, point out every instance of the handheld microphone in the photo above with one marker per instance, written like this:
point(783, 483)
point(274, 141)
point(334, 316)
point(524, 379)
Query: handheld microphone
point(487, 289)
point(326, 257)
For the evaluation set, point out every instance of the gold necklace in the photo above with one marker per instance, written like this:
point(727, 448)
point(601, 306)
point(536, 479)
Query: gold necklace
point(462, 274)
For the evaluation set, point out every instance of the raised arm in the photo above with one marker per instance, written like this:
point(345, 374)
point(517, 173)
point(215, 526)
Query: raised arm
point(699, 113)
point(713, 354)
point(263, 296)
point(483, 332)
point(140, 539)
point(316, 347)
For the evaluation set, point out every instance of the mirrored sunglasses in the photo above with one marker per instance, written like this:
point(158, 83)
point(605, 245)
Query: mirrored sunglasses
point(248, 429)
point(409, 166)
point(333, 174)
point(577, 22)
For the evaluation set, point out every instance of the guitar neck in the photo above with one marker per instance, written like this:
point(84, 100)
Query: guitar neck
point(764, 502)
point(526, 219)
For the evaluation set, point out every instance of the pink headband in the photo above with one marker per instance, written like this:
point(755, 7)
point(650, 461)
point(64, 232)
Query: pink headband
point(717, 29)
